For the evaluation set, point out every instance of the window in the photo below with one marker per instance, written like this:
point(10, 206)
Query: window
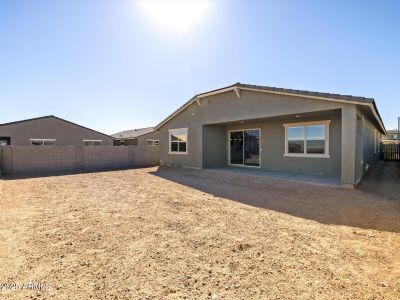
point(310, 139)
point(153, 142)
point(178, 141)
point(4, 140)
point(92, 142)
point(43, 142)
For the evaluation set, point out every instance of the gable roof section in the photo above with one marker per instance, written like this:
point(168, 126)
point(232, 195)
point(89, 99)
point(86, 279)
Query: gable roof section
point(391, 131)
point(281, 91)
point(134, 133)
point(51, 116)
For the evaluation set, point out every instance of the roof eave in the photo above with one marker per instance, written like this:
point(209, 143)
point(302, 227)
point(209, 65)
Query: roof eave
point(361, 100)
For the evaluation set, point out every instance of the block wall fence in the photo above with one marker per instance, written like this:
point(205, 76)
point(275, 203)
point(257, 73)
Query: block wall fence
point(26, 160)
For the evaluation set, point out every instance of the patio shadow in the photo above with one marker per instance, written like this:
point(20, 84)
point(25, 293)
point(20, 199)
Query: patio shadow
point(324, 204)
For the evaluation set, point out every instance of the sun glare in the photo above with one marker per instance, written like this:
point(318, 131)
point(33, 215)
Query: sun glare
point(179, 16)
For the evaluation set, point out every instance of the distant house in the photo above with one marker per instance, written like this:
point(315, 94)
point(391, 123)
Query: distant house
point(392, 135)
point(142, 136)
point(278, 129)
point(50, 131)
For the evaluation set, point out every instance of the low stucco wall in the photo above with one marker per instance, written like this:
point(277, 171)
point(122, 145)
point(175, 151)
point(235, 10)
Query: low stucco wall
point(25, 160)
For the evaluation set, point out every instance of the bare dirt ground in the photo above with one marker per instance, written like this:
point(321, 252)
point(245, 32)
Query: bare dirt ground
point(185, 234)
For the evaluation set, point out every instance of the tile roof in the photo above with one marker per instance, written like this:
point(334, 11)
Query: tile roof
point(305, 93)
point(133, 133)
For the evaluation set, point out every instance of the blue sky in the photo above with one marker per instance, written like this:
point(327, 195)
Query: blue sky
point(111, 65)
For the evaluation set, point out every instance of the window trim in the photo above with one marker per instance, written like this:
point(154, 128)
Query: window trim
point(43, 140)
point(101, 141)
point(153, 142)
point(305, 124)
point(187, 141)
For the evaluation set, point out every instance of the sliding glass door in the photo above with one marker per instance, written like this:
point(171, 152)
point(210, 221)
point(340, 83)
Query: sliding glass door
point(244, 147)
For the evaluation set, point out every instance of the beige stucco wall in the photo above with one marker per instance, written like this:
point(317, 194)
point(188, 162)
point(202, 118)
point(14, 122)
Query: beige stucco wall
point(65, 133)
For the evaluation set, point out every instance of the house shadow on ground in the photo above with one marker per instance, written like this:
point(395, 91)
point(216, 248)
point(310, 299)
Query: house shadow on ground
point(324, 204)
point(58, 173)
point(383, 180)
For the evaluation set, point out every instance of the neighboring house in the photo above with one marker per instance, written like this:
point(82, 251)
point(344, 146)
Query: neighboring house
point(142, 136)
point(276, 129)
point(48, 131)
point(392, 135)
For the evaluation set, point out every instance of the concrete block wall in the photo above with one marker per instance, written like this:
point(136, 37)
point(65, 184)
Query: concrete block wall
point(6, 160)
point(105, 158)
point(28, 159)
point(57, 159)
point(146, 155)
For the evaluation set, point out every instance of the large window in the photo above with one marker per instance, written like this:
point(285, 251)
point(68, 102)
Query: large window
point(43, 142)
point(309, 139)
point(178, 141)
point(92, 142)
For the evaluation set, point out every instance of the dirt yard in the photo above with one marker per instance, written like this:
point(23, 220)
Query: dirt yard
point(185, 234)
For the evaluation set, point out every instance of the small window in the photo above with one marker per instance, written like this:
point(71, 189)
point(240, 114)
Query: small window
point(153, 142)
point(4, 140)
point(91, 143)
point(178, 141)
point(43, 142)
point(309, 139)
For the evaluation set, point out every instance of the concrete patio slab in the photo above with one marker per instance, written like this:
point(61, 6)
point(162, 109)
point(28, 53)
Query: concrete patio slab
point(292, 176)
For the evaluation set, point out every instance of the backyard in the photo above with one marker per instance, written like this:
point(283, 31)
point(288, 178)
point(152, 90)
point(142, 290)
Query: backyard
point(196, 234)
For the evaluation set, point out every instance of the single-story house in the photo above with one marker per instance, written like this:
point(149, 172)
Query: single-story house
point(392, 135)
point(142, 136)
point(276, 129)
point(48, 131)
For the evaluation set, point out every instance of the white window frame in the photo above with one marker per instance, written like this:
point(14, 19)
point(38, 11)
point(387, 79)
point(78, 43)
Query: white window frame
point(101, 141)
point(153, 142)
point(170, 132)
point(305, 124)
point(43, 140)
